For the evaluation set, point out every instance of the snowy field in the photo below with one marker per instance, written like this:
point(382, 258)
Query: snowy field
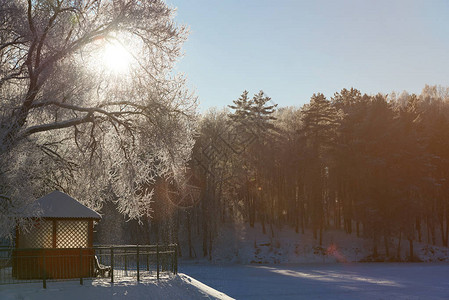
point(326, 281)
point(305, 281)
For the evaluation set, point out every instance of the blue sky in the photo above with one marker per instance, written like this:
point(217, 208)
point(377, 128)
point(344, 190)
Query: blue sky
point(292, 49)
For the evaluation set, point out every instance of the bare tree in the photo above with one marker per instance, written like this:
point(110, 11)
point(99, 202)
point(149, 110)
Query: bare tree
point(59, 101)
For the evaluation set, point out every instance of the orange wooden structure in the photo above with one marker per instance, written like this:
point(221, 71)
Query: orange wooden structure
point(59, 245)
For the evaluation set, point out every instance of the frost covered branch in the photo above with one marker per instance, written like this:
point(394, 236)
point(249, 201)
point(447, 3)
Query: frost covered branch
point(66, 120)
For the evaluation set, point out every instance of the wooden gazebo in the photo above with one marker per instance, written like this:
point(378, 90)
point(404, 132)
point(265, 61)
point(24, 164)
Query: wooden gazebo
point(59, 245)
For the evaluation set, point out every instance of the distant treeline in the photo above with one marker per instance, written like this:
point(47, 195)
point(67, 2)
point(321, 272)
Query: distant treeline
point(372, 165)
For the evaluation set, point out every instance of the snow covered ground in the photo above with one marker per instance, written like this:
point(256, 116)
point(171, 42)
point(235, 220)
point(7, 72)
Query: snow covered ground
point(246, 245)
point(299, 281)
point(326, 281)
point(176, 287)
point(247, 264)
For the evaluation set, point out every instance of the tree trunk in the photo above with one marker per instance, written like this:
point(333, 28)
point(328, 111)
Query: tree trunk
point(321, 235)
point(443, 233)
point(205, 235)
point(348, 226)
point(262, 219)
point(418, 228)
point(205, 228)
point(444, 229)
point(252, 211)
point(176, 233)
point(432, 232)
point(411, 250)
point(375, 253)
point(296, 209)
point(447, 227)
point(210, 245)
point(302, 217)
point(189, 235)
point(297, 223)
point(398, 253)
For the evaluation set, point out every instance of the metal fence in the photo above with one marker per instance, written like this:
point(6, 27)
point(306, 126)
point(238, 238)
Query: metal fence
point(108, 261)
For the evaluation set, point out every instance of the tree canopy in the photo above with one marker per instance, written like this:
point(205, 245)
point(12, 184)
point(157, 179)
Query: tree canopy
point(68, 116)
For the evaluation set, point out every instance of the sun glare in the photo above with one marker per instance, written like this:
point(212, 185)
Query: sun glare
point(116, 58)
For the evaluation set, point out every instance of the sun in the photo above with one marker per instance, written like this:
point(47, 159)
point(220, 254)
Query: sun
point(116, 58)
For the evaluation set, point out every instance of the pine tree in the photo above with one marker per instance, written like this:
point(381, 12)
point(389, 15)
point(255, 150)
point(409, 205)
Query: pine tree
point(320, 124)
point(253, 127)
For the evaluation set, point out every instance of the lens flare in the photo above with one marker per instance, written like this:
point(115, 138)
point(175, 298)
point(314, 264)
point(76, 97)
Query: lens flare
point(116, 58)
point(332, 250)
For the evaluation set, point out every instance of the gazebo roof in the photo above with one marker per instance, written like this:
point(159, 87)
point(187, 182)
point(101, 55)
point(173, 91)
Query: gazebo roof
point(60, 205)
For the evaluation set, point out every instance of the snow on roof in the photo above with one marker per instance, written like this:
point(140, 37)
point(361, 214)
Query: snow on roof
point(60, 205)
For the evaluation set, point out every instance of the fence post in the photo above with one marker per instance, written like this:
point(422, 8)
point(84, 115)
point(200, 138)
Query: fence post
point(138, 275)
point(157, 260)
point(81, 266)
point(126, 263)
point(44, 276)
point(112, 264)
point(148, 262)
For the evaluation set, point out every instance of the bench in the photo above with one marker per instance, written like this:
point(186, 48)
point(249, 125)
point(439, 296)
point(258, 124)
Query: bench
point(100, 270)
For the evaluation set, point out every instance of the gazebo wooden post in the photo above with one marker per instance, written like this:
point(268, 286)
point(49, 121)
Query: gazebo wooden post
point(81, 266)
point(90, 233)
point(90, 245)
point(44, 275)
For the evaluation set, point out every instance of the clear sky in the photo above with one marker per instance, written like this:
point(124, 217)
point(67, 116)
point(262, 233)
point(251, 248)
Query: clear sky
point(292, 49)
